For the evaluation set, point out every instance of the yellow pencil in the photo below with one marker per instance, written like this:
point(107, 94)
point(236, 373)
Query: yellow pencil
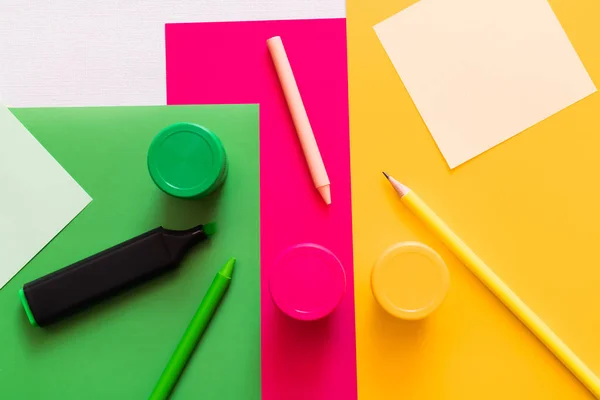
point(498, 287)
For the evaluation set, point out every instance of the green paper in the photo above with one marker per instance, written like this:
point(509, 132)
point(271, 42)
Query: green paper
point(119, 348)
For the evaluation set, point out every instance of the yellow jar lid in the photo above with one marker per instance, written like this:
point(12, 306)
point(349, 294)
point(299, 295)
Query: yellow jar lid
point(410, 280)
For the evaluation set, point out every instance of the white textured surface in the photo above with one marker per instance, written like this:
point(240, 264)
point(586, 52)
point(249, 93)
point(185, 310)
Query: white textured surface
point(111, 52)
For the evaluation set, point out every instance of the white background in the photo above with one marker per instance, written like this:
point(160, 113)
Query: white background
point(111, 52)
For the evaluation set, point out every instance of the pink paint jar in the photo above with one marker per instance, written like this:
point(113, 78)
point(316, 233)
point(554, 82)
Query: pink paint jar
point(307, 282)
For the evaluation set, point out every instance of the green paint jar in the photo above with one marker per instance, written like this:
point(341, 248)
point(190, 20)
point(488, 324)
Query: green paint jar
point(187, 161)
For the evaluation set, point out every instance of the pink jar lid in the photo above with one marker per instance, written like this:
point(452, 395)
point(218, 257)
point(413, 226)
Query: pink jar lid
point(307, 282)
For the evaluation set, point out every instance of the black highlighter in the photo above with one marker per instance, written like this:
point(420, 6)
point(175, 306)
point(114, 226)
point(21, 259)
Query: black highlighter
point(70, 289)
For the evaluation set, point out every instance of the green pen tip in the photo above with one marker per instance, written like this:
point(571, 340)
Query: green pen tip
point(210, 229)
point(227, 270)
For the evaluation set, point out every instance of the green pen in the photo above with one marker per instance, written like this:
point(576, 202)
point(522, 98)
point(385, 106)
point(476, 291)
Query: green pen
point(193, 333)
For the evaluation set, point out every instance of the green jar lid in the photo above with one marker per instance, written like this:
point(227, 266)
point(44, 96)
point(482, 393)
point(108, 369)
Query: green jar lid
point(187, 160)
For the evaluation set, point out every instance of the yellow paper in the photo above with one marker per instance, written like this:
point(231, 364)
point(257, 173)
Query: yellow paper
point(481, 71)
point(530, 209)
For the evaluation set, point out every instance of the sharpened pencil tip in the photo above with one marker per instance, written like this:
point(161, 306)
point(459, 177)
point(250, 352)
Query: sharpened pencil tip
point(398, 187)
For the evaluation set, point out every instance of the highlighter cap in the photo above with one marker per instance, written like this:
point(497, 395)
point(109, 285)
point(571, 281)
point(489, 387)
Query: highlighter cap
point(187, 160)
point(26, 307)
point(410, 280)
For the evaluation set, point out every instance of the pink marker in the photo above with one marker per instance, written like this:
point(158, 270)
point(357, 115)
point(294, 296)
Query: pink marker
point(300, 118)
point(307, 282)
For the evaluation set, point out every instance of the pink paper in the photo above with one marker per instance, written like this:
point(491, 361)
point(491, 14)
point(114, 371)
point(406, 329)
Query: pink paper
point(230, 63)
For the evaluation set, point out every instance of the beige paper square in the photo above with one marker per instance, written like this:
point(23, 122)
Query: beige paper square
point(481, 71)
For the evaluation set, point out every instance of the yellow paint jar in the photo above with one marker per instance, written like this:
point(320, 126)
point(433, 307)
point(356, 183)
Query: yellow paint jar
point(410, 280)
